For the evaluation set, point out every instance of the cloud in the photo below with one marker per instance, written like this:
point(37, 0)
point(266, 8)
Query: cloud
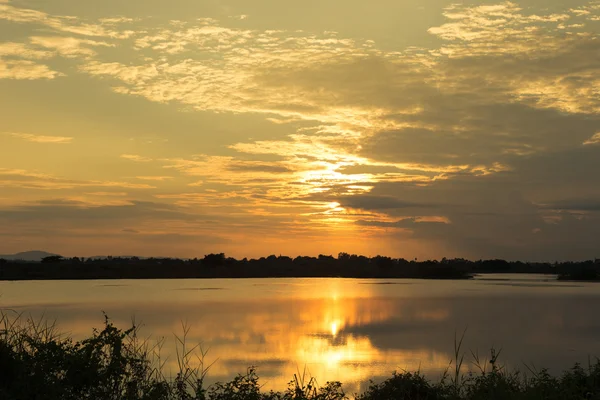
point(228, 170)
point(593, 140)
point(457, 130)
point(411, 222)
point(135, 157)
point(24, 179)
point(58, 23)
point(368, 202)
point(345, 81)
point(487, 41)
point(68, 215)
point(154, 178)
point(229, 80)
point(128, 74)
point(111, 194)
point(101, 226)
point(41, 138)
point(497, 29)
point(257, 167)
point(25, 70)
point(23, 50)
point(68, 47)
point(427, 113)
point(16, 58)
point(496, 215)
point(116, 20)
point(584, 205)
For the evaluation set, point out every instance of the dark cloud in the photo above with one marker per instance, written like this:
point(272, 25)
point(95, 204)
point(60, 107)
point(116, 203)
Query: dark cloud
point(257, 167)
point(368, 169)
point(403, 223)
point(559, 174)
point(75, 211)
point(545, 208)
point(478, 134)
point(371, 81)
point(493, 216)
point(370, 202)
point(575, 205)
point(173, 239)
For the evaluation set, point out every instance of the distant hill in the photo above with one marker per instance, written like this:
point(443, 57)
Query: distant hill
point(34, 255)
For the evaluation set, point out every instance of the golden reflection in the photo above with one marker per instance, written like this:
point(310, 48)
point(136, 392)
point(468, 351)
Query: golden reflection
point(324, 325)
point(334, 328)
point(344, 330)
point(320, 352)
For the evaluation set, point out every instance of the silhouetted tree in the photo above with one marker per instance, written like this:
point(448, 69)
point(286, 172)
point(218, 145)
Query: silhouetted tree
point(345, 265)
point(52, 259)
point(343, 257)
point(383, 262)
point(214, 259)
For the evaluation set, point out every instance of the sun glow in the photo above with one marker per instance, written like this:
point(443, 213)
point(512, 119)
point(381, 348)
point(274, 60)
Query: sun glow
point(333, 205)
point(334, 328)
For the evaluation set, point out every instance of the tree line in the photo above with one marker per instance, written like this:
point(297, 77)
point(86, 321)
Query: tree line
point(344, 265)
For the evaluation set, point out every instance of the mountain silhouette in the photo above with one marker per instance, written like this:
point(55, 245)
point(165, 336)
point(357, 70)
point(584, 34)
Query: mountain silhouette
point(34, 255)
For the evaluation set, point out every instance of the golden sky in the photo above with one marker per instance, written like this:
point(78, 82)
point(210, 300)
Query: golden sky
point(406, 128)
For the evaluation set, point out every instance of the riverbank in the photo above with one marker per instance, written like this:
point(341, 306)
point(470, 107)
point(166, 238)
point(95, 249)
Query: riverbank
point(38, 363)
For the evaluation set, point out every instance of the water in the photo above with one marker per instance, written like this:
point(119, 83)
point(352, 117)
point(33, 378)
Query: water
point(350, 330)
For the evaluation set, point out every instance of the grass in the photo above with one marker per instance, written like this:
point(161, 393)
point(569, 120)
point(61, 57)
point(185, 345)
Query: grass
point(38, 363)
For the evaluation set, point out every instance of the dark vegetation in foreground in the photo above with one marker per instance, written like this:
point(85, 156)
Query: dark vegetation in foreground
point(345, 265)
point(36, 363)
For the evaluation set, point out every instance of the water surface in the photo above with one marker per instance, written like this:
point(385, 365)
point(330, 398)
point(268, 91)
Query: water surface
point(350, 330)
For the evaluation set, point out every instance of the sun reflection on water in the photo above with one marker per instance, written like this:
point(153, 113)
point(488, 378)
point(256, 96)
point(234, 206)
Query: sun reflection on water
point(326, 326)
point(329, 346)
point(334, 328)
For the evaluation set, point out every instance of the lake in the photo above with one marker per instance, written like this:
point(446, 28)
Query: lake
point(350, 330)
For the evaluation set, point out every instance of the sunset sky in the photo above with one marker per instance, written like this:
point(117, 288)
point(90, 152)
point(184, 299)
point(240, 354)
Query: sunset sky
point(409, 128)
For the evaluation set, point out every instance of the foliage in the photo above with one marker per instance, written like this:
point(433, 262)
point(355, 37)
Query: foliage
point(407, 385)
point(52, 259)
point(38, 363)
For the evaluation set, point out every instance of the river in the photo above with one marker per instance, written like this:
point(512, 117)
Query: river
point(350, 330)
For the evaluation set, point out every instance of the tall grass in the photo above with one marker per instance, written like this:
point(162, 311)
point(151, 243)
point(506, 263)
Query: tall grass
point(38, 363)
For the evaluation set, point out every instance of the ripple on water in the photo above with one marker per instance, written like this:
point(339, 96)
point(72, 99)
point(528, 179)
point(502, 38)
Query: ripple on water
point(533, 285)
point(112, 285)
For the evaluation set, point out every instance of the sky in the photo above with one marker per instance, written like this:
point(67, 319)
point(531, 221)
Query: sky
point(415, 129)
